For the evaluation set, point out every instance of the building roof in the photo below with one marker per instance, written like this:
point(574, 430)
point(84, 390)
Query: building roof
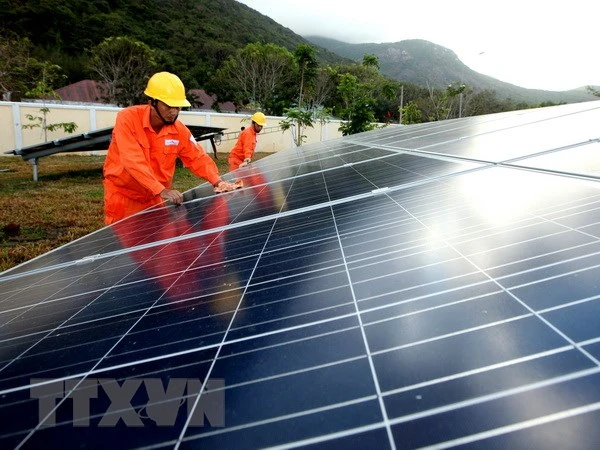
point(202, 100)
point(84, 91)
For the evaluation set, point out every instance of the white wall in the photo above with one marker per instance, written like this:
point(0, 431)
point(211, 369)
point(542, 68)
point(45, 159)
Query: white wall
point(13, 115)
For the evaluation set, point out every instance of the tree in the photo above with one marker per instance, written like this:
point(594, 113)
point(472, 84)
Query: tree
point(324, 84)
point(483, 102)
point(370, 60)
point(305, 57)
point(123, 66)
point(261, 74)
point(300, 117)
point(43, 90)
point(350, 90)
point(452, 92)
point(448, 103)
point(295, 120)
point(411, 114)
point(387, 99)
point(15, 65)
point(357, 105)
point(381, 94)
point(362, 119)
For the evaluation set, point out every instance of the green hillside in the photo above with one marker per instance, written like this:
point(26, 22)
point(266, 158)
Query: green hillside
point(195, 35)
point(426, 64)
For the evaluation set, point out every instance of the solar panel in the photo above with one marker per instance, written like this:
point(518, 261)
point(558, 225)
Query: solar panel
point(433, 285)
point(96, 140)
point(91, 140)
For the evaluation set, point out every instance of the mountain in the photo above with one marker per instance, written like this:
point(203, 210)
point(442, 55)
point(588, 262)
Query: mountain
point(196, 36)
point(424, 63)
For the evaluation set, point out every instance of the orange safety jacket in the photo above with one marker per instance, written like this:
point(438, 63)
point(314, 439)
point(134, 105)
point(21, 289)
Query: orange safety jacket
point(140, 163)
point(243, 148)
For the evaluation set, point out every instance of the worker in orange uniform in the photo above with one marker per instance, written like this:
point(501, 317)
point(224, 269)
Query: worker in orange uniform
point(243, 150)
point(146, 141)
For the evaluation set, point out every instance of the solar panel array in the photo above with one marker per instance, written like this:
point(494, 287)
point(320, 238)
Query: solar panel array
point(433, 285)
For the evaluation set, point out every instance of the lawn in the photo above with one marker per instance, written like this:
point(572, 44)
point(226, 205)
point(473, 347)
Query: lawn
point(64, 204)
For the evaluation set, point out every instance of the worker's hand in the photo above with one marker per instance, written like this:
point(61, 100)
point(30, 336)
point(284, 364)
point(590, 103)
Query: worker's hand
point(172, 195)
point(224, 186)
point(246, 162)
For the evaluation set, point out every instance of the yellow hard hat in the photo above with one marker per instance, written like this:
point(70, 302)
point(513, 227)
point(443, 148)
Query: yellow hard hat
point(167, 88)
point(259, 118)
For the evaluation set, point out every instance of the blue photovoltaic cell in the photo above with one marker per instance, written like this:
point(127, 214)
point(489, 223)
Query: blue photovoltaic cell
point(411, 286)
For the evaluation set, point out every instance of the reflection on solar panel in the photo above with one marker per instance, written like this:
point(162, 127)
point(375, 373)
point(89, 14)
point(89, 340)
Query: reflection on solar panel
point(429, 285)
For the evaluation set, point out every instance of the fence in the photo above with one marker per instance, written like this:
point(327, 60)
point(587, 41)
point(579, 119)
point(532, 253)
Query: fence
point(13, 115)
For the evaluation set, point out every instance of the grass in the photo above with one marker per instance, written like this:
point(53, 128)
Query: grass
point(64, 204)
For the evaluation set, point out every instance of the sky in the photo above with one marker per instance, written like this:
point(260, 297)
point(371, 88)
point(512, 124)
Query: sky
point(530, 43)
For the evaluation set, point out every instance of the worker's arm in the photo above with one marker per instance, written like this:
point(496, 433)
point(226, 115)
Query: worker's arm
point(201, 164)
point(195, 158)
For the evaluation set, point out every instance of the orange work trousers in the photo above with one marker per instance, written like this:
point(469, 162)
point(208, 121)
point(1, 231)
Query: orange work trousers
point(234, 162)
point(117, 206)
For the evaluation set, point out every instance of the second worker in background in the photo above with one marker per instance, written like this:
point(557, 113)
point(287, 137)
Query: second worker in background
point(243, 150)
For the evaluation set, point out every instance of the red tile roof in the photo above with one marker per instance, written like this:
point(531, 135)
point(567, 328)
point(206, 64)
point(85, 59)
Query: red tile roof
point(86, 91)
point(201, 100)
